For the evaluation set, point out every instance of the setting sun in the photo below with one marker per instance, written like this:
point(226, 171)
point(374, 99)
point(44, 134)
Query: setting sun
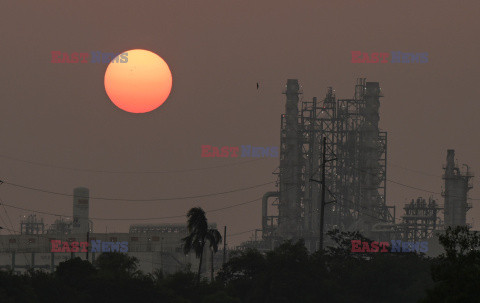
point(141, 84)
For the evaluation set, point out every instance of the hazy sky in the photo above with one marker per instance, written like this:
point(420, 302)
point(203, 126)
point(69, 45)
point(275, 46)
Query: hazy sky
point(59, 114)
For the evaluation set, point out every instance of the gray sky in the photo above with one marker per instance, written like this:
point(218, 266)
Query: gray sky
point(59, 114)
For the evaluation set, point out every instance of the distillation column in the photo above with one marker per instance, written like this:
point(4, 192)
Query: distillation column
point(457, 185)
point(289, 208)
point(369, 156)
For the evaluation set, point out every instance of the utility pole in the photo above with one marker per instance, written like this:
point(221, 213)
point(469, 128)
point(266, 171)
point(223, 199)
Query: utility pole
point(224, 244)
point(322, 203)
point(324, 188)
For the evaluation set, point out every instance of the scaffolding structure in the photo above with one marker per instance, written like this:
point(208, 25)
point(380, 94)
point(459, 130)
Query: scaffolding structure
point(355, 175)
point(30, 225)
point(355, 168)
point(420, 219)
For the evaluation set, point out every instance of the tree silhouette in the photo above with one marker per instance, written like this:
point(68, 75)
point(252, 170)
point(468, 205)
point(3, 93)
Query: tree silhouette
point(214, 238)
point(198, 228)
point(75, 271)
point(456, 272)
point(116, 264)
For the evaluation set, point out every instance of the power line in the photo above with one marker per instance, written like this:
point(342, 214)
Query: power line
point(428, 191)
point(130, 219)
point(9, 231)
point(8, 217)
point(250, 230)
point(412, 187)
point(127, 172)
point(179, 171)
point(363, 207)
point(343, 199)
point(414, 170)
point(137, 200)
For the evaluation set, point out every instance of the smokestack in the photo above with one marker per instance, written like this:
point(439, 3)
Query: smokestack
point(80, 210)
point(450, 162)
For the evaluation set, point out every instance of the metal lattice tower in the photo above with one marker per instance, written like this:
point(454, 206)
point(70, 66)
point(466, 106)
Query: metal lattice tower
point(356, 180)
point(361, 150)
point(420, 219)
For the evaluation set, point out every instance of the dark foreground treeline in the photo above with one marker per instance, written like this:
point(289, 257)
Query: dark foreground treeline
point(287, 274)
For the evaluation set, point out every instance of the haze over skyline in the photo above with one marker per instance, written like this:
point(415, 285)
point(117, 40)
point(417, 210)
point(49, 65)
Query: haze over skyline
point(59, 114)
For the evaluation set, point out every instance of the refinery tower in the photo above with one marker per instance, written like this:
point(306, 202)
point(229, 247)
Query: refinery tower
point(338, 143)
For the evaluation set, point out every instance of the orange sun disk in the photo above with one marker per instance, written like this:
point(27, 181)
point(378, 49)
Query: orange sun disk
point(141, 84)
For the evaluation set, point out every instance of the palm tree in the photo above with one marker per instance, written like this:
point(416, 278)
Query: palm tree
point(213, 236)
point(198, 228)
